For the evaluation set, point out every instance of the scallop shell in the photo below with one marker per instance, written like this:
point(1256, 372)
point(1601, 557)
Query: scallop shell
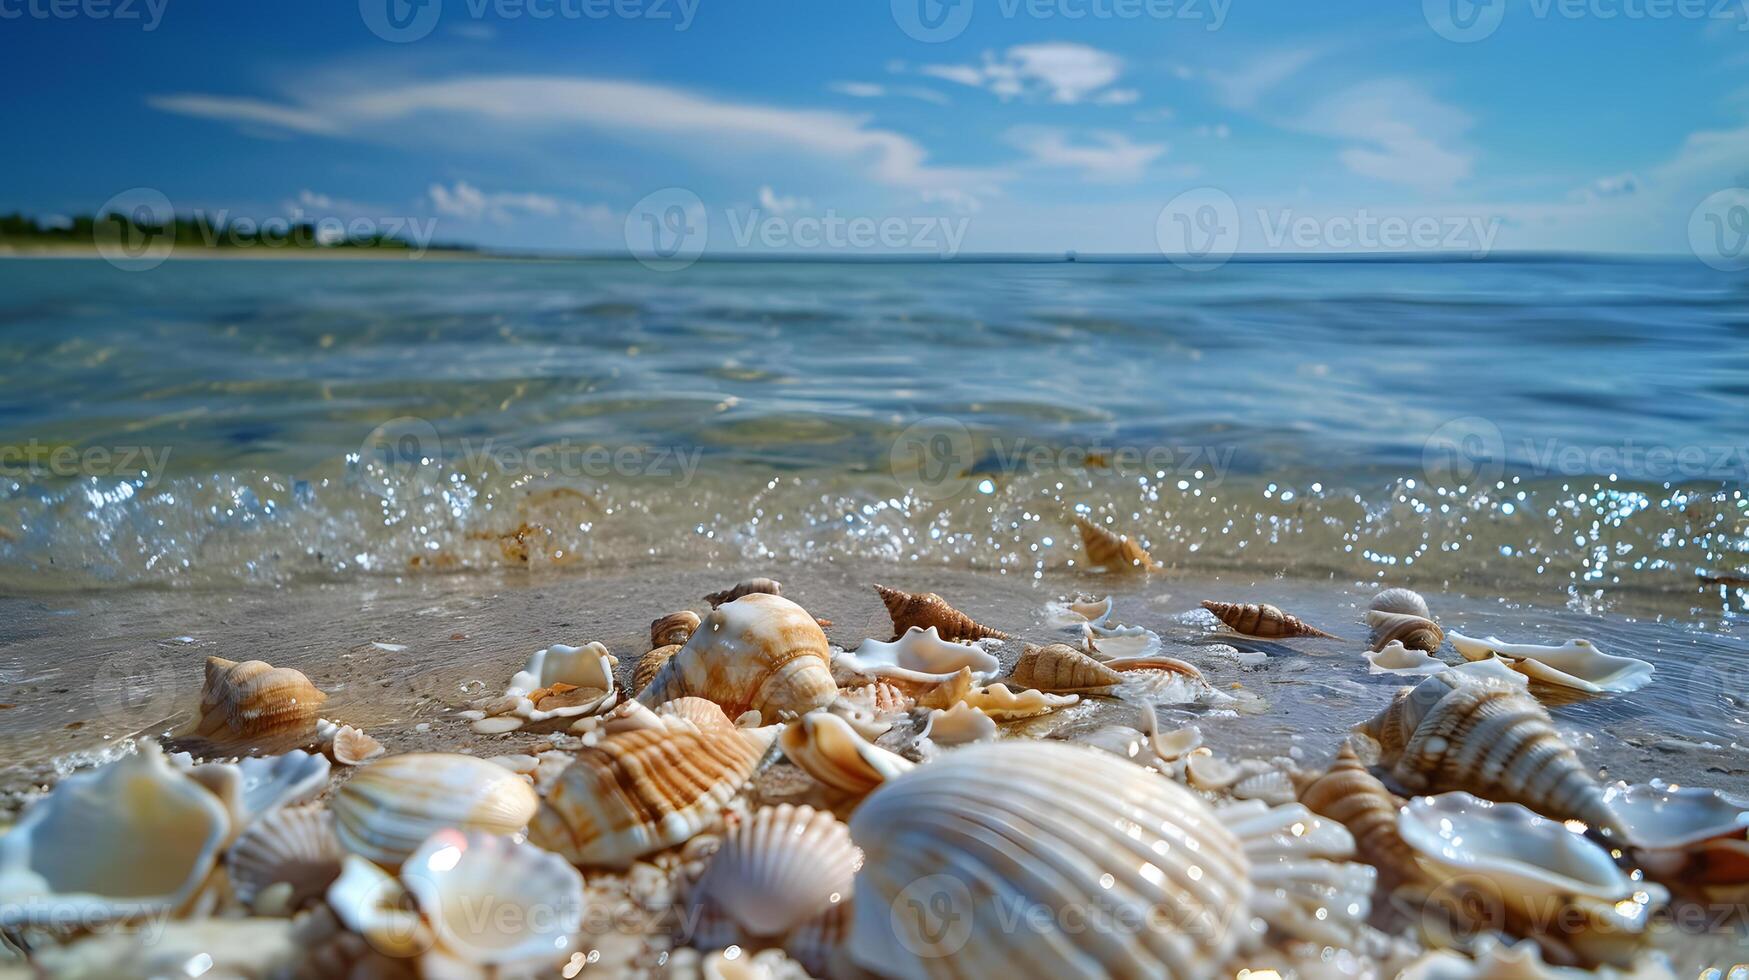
point(1063, 669)
point(134, 837)
point(961, 724)
point(294, 846)
point(825, 747)
point(753, 586)
point(1349, 794)
point(393, 804)
point(760, 652)
point(924, 610)
point(1501, 856)
point(779, 868)
point(640, 791)
point(1112, 551)
point(256, 702)
point(675, 628)
point(1461, 731)
point(1400, 601)
point(924, 651)
point(1576, 664)
point(492, 900)
point(1395, 658)
point(1261, 620)
point(954, 847)
point(1414, 632)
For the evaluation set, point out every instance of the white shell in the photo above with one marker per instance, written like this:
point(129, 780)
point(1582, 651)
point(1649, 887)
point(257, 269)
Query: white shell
point(292, 845)
point(588, 667)
point(828, 749)
point(1658, 816)
point(1211, 773)
point(1072, 613)
point(1119, 642)
point(961, 724)
point(257, 785)
point(923, 651)
point(1396, 658)
point(779, 868)
point(156, 950)
point(1002, 704)
point(393, 804)
point(1146, 745)
point(373, 903)
point(1405, 601)
point(134, 837)
point(491, 900)
point(1576, 664)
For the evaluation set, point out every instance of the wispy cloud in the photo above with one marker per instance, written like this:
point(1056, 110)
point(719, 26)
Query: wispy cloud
point(771, 201)
point(1056, 72)
point(1244, 86)
point(1107, 157)
point(1397, 132)
point(467, 202)
point(872, 90)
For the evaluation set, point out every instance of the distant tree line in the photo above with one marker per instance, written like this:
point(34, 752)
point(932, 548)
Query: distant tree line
point(197, 231)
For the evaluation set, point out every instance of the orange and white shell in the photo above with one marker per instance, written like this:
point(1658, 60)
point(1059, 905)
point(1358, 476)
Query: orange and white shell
point(1002, 704)
point(1414, 632)
point(1113, 551)
point(926, 610)
point(1063, 669)
point(1349, 794)
point(760, 652)
point(393, 804)
point(827, 748)
point(1261, 620)
point(254, 701)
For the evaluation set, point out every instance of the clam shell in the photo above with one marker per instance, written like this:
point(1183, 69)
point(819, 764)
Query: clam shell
point(1400, 601)
point(134, 837)
point(646, 789)
point(923, 651)
point(1078, 611)
point(254, 701)
point(1002, 704)
point(1112, 551)
point(925, 610)
point(294, 846)
point(1657, 816)
point(1261, 620)
point(674, 629)
point(393, 804)
point(825, 747)
point(961, 724)
point(1063, 669)
point(1576, 664)
point(1414, 632)
point(1349, 794)
point(779, 868)
point(1395, 658)
point(753, 586)
point(760, 652)
point(1462, 731)
point(491, 900)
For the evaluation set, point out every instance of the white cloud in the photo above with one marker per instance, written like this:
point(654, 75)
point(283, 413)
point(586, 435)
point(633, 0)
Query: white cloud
point(1397, 132)
point(1615, 185)
point(1244, 86)
point(1057, 71)
point(469, 203)
point(770, 201)
point(871, 90)
point(1109, 157)
point(1117, 96)
point(245, 111)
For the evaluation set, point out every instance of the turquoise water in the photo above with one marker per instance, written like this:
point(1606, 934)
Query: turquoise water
point(1543, 426)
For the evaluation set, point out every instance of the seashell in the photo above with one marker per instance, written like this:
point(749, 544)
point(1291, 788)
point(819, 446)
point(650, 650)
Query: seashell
point(1683, 834)
point(778, 869)
point(817, 944)
point(1112, 551)
point(857, 713)
point(373, 903)
point(1496, 960)
point(1063, 669)
point(1171, 665)
point(293, 846)
point(1414, 632)
point(257, 785)
point(492, 900)
point(651, 663)
point(1461, 731)
point(760, 652)
point(924, 610)
point(1109, 643)
point(753, 586)
point(1261, 620)
point(1395, 658)
point(1576, 664)
point(393, 804)
point(675, 628)
point(1349, 794)
point(1406, 601)
point(217, 948)
point(878, 697)
point(1081, 610)
point(1145, 744)
point(925, 652)
point(640, 791)
point(256, 702)
point(825, 747)
point(1259, 780)
point(1501, 856)
point(961, 724)
point(134, 837)
point(558, 682)
point(997, 701)
point(733, 963)
point(1211, 773)
point(351, 747)
point(952, 848)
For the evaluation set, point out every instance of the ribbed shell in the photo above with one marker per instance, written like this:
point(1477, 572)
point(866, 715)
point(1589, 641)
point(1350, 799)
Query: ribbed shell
point(760, 652)
point(650, 664)
point(880, 697)
point(388, 809)
point(256, 701)
point(641, 791)
point(827, 748)
point(1400, 601)
point(781, 867)
point(1064, 669)
point(752, 586)
point(674, 629)
point(1262, 620)
point(293, 845)
point(1112, 551)
point(921, 610)
point(1486, 737)
point(1414, 632)
point(351, 747)
point(1349, 794)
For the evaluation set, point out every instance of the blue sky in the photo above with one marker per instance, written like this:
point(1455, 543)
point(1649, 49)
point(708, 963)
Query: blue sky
point(1021, 126)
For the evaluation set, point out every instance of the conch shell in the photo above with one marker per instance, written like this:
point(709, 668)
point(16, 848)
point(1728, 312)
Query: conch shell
point(752, 586)
point(760, 652)
point(923, 610)
point(646, 789)
point(1349, 794)
point(1063, 669)
point(1112, 551)
point(1414, 632)
point(1458, 730)
point(1576, 664)
point(386, 811)
point(258, 703)
point(1261, 620)
point(825, 747)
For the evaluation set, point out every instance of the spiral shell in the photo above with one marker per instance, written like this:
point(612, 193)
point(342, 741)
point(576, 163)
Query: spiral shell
point(753, 586)
point(393, 804)
point(760, 652)
point(642, 790)
point(1262, 620)
point(256, 702)
point(778, 869)
point(1462, 731)
point(293, 846)
point(1352, 796)
point(1063, 669)
point(1414, 632)
point(1400, 601)
point(1112, 551)
point(650, 664)
point(674, 629)
point(825, 747)
point(924, 610)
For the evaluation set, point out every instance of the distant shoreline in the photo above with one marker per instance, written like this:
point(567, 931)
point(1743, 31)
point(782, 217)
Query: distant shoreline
point(255, 254)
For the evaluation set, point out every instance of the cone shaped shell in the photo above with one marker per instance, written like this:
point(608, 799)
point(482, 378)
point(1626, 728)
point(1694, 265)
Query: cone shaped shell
point(254, 701)
point(752, 586)
point(393, 804)
point(1262, 620)
point(760, 652)
point(1063, 669)
point(1112, 551)
point(1349, 794)
point(923, 610)
point(779, 868)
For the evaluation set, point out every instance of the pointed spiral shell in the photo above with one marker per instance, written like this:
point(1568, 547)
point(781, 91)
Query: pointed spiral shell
point(1260, 619)
point(1352, 796)
point(1112, 551)
point(923, 610)
point(1063, 669)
